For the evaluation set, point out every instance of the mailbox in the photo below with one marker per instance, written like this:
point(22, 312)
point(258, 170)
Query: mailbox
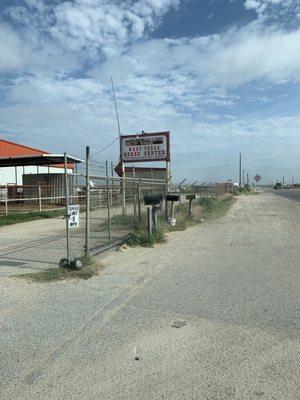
point(172, 197)
point(190, 196)
point(153, 199)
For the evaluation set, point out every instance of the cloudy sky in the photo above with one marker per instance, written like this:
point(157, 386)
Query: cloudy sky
point(222, 75)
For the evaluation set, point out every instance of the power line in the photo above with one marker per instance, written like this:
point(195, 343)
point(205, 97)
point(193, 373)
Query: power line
point(105, 147)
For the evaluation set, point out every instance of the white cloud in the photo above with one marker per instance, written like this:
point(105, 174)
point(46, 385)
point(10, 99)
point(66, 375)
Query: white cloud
point(248, 55)
point(97, 25)
point(12, 53)
point(273, 8)
point(63, 91)
point(232, 59)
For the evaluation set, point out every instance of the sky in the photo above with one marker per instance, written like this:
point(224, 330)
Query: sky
point(222, 75)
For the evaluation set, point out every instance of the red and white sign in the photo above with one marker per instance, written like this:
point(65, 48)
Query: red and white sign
point(145, 147)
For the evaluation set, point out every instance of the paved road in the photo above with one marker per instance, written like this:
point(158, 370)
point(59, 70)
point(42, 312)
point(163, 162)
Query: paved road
point(212, 314)
point(292, 194)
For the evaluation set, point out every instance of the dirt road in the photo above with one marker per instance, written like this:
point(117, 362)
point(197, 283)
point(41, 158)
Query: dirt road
point(212, 314)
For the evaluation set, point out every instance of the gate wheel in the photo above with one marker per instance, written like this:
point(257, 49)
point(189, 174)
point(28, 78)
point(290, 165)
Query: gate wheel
point(64, 263)
point(77, 263)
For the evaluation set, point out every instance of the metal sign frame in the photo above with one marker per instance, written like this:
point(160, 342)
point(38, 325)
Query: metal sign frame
point(145, 136)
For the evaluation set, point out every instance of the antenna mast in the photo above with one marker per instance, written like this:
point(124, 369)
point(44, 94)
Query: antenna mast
point(123, 182)
point(116, 108)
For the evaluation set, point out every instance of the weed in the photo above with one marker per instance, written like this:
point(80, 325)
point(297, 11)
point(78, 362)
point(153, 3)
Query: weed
point(140, 237)
point(58, 274)
point(204, 208)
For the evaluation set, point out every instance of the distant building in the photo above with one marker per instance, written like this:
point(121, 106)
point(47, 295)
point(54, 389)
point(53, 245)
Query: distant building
point(14, 174)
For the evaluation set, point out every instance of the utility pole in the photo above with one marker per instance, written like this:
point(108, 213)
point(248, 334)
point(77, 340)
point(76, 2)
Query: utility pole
point(247, 179)
point(240, 170)
point(283, 180)
point(243, 182)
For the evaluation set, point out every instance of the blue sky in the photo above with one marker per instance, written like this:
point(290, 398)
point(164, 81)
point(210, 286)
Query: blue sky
point(221, 75)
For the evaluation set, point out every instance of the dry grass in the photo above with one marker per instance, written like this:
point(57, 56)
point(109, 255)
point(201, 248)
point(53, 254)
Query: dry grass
point(58, 274)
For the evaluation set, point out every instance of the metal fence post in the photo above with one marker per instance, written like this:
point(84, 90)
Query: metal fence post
point(67, 205)
point(134, 198)
point(112, 181)
point(40, 199)
point(87, 205)
point(6, 198)
point(139, 204)
point(151, 180)
point(108, 203)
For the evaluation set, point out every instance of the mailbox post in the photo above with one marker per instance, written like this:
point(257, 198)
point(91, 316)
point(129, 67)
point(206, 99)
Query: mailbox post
point(190, 198)
point(149, 219)
point(172, 198)
point(153, 203)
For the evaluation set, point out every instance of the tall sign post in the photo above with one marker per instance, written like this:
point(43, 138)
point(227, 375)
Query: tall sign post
point(123, 182)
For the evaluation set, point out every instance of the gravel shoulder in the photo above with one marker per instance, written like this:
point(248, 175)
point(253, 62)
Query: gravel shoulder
point(211, 314)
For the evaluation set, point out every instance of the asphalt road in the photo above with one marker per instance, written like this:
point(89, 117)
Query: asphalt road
point(211, 314)
point(292, 194)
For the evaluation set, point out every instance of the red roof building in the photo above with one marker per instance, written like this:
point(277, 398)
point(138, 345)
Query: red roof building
point(13, 174)
point(10, 149)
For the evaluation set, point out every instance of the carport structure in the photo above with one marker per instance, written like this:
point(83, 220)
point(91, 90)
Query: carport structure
point(39, 160)
point(52, 183)
point(44, 242)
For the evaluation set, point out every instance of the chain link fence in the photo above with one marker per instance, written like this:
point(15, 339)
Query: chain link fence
point(88, 212)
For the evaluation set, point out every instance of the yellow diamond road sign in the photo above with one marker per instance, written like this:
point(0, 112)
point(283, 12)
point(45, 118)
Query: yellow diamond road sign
point(257, 178)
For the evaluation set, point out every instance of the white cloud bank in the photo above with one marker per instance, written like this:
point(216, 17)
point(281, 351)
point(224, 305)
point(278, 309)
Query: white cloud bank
point(62, 87)
point(11, 50)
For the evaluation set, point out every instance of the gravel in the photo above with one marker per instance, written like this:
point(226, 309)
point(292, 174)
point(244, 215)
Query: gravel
point(211, 314)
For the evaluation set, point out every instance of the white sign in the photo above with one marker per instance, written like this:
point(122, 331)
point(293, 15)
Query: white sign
point(73, 211)
point(146, 147)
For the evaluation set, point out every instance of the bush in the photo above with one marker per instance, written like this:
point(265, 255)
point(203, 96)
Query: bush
point(140, 237)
